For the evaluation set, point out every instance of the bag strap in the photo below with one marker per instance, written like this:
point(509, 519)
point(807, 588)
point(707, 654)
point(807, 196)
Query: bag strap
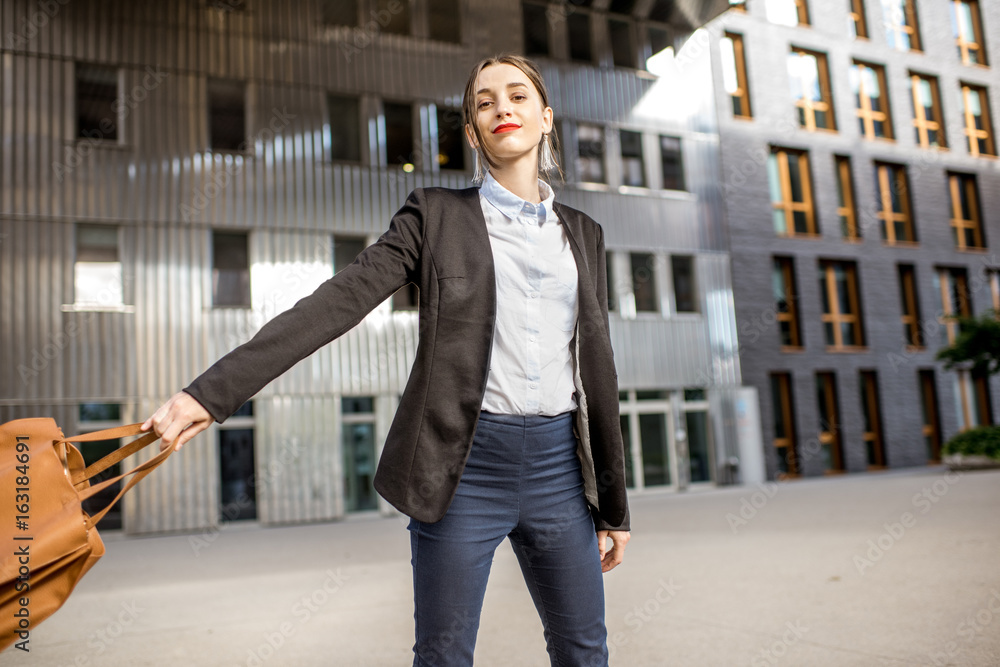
point(139, 471)
point(116, 456)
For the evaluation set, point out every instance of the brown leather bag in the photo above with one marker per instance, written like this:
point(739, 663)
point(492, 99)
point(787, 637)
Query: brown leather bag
point(49, 541)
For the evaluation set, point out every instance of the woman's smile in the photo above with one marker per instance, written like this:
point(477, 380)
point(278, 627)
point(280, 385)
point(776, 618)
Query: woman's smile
point(506, 127)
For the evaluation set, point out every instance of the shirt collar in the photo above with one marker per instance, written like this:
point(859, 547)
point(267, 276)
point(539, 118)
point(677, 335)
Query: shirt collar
point(512, 206)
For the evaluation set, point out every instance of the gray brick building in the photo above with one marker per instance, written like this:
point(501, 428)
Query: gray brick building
point(863, 200)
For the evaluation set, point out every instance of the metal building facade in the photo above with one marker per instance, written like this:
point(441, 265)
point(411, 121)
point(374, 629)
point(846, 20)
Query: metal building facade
point(166, 192)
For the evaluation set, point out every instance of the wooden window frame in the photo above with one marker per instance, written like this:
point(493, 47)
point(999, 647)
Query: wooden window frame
point(973, 134)
point(948, 309)
point(977, 43)
point(810, 107)
point(913, 333)
point(846, 204)
point(829, 432)
point(785, 447)
point(994, 275)
point(836, 318)
point(738, 5)
point(958, 223)
point(869, 114)
point(802, 9)
point(923, 125)
point(859, 18)
point(742, 92)
point(786, 266)
point(886, 216)
point(872, 410)
point(786, 204)
point(909, 27)
point(930, 415)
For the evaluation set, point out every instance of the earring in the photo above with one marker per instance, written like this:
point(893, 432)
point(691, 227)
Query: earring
point(480, 174)
point(545, 160)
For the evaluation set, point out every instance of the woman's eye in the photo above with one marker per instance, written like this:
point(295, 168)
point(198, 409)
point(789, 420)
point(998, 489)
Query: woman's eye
point(520, 97)
point(483, 104)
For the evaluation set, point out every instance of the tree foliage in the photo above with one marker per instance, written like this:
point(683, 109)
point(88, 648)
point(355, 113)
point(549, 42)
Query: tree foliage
point(977, 345)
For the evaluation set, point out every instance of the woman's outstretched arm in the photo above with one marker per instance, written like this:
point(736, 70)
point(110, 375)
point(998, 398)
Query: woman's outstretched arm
point(334, 308)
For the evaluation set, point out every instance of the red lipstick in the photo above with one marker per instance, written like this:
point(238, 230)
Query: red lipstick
point(506, 127)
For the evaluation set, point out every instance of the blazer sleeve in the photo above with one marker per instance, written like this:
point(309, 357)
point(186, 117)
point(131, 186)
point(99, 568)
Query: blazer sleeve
point(334, 308)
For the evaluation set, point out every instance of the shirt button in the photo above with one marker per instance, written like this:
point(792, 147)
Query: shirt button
point(533, 385)
point(531, 338)
point(533, 294)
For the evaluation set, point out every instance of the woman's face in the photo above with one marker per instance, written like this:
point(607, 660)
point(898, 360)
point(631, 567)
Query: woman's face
point(509, 113)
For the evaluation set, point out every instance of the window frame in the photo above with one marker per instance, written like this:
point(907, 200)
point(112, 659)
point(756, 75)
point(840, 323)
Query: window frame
point(213, 292)
point(858, 19)
point(787, 205)
point(945, 276)
point(835, 318)
point(910, 303)
point(871, 412)
point(830, 420)
point(886, 214)
point(923, 125)
point(958, 223)
point(785, 267)
point(964, 45)
point(847, 210)
point(784, 410)
point(867, 114)
point(909, 27)
point(742, 92)
point(810, 107)
point(245, 147)
point(973, 134)
point(79, 134)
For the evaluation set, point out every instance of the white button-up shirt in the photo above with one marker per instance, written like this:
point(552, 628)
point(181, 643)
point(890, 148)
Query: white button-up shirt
point(531, 368)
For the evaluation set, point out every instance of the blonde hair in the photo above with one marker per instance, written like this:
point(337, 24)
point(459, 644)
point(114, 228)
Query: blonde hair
point(530, 70)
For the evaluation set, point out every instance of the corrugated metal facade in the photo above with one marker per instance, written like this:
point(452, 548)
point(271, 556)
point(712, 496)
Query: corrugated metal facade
point(166, 192)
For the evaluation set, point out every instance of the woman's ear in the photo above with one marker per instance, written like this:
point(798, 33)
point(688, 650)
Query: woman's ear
point(470, 136)
point(546, 120)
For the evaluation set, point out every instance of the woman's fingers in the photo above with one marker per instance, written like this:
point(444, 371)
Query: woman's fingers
point(611, 558)
point(178, 420)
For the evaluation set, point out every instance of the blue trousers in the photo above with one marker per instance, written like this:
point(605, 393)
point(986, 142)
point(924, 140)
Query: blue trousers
point(522, 480)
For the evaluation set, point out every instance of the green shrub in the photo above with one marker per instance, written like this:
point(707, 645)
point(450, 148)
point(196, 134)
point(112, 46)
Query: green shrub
point(983, 440)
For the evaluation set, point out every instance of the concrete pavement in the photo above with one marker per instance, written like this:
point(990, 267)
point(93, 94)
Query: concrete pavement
point(893, 568)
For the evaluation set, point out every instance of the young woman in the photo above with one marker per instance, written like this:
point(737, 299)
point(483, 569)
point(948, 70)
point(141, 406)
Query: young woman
point(509, 424)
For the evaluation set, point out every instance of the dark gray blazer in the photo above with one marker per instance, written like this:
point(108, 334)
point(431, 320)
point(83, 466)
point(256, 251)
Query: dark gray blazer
point(438, 240)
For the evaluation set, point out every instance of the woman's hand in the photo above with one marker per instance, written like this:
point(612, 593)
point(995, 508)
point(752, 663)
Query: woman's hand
point(609, 559)
point(178, 420)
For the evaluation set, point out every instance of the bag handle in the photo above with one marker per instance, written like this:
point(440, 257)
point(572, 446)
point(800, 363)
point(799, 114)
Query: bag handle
point(139, 471)
point(116, 456)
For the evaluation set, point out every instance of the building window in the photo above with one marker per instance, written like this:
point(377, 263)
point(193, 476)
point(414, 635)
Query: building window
point(994, 275)
point(536, 29)
point(791, 193)
point(96, 417)
point(787, 12)
point(237, 467)
point(444, 20)
point(622, 44)
point(900, 20)
point(699, 449)
point(612, 289)
point(345, 250)
point(810, 81)
point(829, 421)
point(396, 14)
point(578, 26)
point(227, 109)
point(659, 39)
point(966, 221)
point(734, 74)
point(339, 12)
point(451, 139)
point(912, 331)
point(841, 302)
point(399, 135)
point(358, 442)
point(972, 398)
point(846, 207)
point(230, 270)
point(644, 282)
point(783, 408)
point(952, 284)
point(590, 153)
point(345, 127)
point(96, 110)
point(633, 169)
point(738, 5)
point(97, 271)
point(871, 411)
point(978, 127)
point(685, 294)
point(672, 163)
point(928, 119)
point(929, 413)
point(895, 214)
point(786, 301)
point(967, 28)
point(871, 100)
point(857, 22)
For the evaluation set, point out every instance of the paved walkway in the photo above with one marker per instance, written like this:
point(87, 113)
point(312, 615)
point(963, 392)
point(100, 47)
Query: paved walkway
point(896, 568)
